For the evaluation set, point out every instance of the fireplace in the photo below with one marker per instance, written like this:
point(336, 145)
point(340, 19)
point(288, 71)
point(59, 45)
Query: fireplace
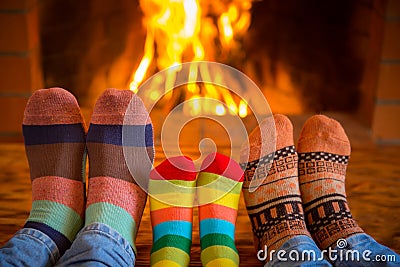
point(306, 56)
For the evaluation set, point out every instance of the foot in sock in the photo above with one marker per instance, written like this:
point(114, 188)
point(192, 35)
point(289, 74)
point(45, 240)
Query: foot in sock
point(114, 198)
point(172, 191)
point(219, 186)
point(54, 135)
point(275, 207)
point(324, 151)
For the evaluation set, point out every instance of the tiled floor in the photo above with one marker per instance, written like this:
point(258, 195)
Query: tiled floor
point(373, 184)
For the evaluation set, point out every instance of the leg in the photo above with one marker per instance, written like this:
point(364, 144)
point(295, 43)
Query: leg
point(324, 150)
point(275, 206)
point(115, 201)
point(54, 136)
point(218, 188)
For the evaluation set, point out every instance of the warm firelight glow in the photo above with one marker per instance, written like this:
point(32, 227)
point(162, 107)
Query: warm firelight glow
point(140, 73)
point(185, 30)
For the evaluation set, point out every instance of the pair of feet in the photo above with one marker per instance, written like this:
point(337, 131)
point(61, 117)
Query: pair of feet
point(56, 140)
point(301, 191)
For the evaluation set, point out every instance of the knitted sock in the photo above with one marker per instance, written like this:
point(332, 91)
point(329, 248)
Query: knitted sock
point(324, 151)
point(54, 134)
point(275, 207)
point(114, 198)
point(218, 188)
point(172, 182)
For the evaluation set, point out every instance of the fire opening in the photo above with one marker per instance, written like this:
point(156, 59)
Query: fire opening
point(181, 31)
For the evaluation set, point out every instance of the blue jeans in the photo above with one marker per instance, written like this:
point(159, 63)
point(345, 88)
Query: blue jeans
point(356, 250)
point(95, 245)
point(99, 245)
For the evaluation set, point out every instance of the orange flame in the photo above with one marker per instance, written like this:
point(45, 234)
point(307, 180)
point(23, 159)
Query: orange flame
point(175, 31)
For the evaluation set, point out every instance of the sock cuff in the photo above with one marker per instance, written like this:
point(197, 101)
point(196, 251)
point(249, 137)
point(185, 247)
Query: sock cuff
point(62, 242)
point(57, 216)
point(107, 213)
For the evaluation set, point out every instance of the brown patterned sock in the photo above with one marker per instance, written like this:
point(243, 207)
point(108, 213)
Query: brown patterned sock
point(324, 151)
point(275, 207)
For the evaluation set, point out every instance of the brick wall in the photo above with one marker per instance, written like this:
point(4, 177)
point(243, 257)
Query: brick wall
point(324, 48)
point(386, 117)
point(90, 45)
point(20, 70)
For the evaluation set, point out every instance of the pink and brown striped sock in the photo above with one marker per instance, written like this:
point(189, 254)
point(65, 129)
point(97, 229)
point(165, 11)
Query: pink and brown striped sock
point(275, 207)
point(54, 134)
point(120, 131)
point(324, 150)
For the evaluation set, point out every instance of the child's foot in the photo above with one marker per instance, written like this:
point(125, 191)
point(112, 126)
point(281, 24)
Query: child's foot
point(218, 189)
point(172, 190)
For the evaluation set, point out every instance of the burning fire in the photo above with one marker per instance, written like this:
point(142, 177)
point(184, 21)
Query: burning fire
point(193, 30)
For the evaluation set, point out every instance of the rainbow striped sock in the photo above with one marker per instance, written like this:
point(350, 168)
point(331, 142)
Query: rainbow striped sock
point(54, 135)
point(218, 188)
point(114, 197)
point(172, 191)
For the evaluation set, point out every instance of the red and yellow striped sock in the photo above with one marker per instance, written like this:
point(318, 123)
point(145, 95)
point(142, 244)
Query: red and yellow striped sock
point(120, 129)
point(54, 135)
point(172, 192)
point(218, 189)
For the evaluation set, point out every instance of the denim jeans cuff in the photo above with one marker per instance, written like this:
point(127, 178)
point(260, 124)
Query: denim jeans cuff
point(42, 239)
point(103, 229)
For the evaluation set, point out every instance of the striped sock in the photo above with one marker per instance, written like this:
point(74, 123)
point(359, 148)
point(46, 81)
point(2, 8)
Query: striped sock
point(172, 192)
point(218, 189)
point(275, 207)
point(54, 134)
point(114, 197)
point(324, 150)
